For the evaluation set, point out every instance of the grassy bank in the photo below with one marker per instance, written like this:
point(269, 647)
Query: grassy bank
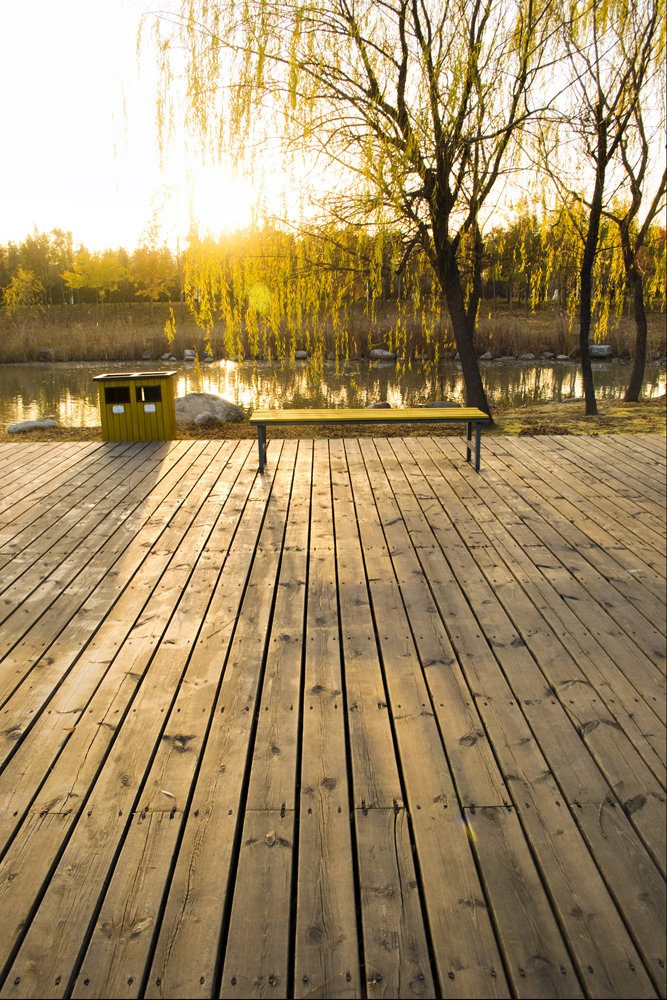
point(647, 417)
point(119, 332)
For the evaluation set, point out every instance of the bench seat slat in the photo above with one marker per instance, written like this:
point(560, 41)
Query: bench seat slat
point(414, 414)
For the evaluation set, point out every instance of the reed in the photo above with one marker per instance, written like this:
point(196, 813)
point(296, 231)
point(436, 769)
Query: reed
point(126, 332)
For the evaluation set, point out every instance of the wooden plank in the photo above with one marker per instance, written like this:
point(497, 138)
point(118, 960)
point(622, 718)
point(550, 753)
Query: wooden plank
point(85, 590)
point(167, 787)
point(462, 939)
point(519, 754)
point(261, 908)
point(395, 948)
point(190, 944)
point(326, 952)
point(613, 476)
point(396, 958)
point(529, 932)
point(47, 573)
point(27, 464)
point(627, 868)
point(111, 665)
point(35, 511)
point(616, 547)
point(257, 958)
point(584, 704)
point(57, 534)
point(583, 592)
point(567, 638)
point(628, 466)
point(118, 785)
point(24, 469)
point(376, 779)
point(624, 598)
point(620, 533)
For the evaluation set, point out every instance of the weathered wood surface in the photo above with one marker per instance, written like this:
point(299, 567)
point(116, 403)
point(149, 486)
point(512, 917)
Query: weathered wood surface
point(368, 725)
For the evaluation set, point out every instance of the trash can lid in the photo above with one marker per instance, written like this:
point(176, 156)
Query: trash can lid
point(134, 375)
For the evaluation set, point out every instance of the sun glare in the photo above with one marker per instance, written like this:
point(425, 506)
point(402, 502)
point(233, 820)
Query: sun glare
point(219, 203)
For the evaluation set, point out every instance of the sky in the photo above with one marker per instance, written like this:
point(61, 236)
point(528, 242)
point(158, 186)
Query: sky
point(71, 157)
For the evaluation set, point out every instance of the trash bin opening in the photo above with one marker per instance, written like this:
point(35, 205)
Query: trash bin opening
point(116, 394)
point(149, 394)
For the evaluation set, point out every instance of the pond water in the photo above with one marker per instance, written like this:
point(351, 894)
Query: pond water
point(67, 393)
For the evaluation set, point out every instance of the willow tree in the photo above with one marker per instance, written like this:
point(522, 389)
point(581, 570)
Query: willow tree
point(407, 112)
point(614, 53)
point(634, 227)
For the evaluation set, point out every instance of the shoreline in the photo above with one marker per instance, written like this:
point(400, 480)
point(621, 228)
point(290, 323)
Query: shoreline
point(568, 417)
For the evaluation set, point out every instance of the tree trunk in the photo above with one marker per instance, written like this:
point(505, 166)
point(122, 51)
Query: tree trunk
point(463, 334)
point(586, 300)
point(641, 328)
point(584, 335)
point(588, 258)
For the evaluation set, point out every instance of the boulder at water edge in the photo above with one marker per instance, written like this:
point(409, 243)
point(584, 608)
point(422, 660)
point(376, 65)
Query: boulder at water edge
point(197, 404)
point(31, 425)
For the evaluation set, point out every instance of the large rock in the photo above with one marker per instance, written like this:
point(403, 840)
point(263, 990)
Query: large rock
point(31, 425)
point(600, 350)
point(195, 404)
point(380, 354)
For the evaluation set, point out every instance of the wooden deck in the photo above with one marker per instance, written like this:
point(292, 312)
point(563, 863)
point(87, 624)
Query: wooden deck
point(369, 725)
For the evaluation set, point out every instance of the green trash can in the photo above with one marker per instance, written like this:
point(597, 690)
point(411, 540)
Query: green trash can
point(137, 406)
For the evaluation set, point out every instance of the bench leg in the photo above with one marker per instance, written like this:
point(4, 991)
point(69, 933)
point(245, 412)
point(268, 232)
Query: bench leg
point(478, 443)
point(261, 443)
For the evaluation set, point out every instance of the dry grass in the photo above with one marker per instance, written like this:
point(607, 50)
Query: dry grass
point(125, 332)
point(648, 417)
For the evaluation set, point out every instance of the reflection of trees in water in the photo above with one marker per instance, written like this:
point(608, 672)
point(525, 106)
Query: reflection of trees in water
point(357, 384)
point(68, 393)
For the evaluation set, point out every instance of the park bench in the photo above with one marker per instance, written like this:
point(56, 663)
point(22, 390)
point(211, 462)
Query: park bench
point(473, 418)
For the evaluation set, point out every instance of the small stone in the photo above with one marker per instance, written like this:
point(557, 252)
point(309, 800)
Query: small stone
point(487, 356)
point(600, 350)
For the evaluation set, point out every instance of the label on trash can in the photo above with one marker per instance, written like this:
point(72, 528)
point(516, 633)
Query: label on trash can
point(119, 409)
point(149, 407)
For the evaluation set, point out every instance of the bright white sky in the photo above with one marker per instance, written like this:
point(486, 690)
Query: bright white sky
point(71, 159)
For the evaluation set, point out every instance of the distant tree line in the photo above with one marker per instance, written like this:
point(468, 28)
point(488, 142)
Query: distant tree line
point(530, 260)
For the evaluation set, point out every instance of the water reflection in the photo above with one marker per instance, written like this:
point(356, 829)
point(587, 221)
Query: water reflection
point(67, 392)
